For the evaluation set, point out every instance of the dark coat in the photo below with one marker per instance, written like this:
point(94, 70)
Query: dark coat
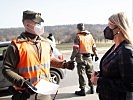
point(116, 73)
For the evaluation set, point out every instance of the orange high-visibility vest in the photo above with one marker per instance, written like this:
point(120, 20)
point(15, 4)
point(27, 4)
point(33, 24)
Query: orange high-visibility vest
point(29, 66)
point(86, 43)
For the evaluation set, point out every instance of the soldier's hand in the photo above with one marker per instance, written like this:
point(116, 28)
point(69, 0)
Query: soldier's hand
point(96, 58)
point(69, 65)
point(29, 87)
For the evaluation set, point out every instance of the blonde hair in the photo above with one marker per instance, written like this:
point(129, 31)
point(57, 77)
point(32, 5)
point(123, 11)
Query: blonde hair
point(121, 20)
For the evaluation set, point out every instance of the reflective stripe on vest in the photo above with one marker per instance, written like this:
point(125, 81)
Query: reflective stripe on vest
point(86, 43)
point(29, 66)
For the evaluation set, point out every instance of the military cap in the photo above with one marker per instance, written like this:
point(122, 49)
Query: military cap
point(31, 15)
point(81, 26)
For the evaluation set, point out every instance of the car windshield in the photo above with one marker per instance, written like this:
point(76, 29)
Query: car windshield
point(2, 49)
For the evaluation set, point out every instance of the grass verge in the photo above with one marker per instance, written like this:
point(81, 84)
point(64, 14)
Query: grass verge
point(69, 46)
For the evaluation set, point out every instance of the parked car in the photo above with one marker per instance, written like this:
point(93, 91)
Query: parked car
point(56, 73)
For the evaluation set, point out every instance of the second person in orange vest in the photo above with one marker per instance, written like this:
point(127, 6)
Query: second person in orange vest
point(84, 46)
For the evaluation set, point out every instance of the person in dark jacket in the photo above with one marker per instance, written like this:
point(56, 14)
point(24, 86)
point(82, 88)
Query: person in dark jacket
point(28, 59)
point(115, 80)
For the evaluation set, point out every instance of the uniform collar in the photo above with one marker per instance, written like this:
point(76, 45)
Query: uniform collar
point(85, 32)
point(26, 36)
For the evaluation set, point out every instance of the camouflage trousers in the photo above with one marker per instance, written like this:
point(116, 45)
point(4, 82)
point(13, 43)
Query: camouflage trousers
point(84, 68)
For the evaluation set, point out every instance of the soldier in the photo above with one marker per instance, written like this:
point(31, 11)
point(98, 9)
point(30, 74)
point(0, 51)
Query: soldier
point(84, 46)
point(28, 58)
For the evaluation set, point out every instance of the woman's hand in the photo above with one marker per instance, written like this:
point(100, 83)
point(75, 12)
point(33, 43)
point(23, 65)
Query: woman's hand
point(94, 78)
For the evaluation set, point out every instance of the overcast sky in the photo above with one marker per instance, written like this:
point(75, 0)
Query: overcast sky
point(60, 12)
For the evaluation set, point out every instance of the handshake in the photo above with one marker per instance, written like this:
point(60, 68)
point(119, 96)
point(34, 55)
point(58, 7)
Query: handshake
point(69, 65)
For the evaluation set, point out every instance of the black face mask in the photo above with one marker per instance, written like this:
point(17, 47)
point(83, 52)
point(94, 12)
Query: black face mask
point(108, 33)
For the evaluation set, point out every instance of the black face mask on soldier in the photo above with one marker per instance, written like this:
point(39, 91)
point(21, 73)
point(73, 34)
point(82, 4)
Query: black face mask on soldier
point(108, 33)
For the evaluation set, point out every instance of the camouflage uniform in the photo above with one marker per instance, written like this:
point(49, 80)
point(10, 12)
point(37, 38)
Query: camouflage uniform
point(10, 71)
point(84, 63)
point(33, 30)
point(85, 66)
point(12, 59)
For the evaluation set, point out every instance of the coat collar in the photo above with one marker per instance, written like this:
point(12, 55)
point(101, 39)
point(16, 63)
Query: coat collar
point(110, 54)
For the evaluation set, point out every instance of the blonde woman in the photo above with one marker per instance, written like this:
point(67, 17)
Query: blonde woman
point(115, 79)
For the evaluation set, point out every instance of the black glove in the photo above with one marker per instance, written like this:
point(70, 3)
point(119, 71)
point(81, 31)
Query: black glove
point(69, 65)
point(29, 87)
point(96, 58)
point(92, 55)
